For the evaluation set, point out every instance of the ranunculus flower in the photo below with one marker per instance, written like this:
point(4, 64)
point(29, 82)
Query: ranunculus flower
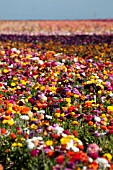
point(34, 153)
point(60, 159)
point(93, 148)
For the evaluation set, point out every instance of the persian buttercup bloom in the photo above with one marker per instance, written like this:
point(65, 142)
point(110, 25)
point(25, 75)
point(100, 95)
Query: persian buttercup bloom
point(110, 108)
point(24, 117)
point(103, 163)
point(93, 148)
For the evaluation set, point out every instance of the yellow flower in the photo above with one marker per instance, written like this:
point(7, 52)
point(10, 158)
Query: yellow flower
point(4, 121)
point(5, 71)
point(57, 115)
point(49, 143)
point(63, 114)
point(35, 108)
point(68, 104)
point(65, 140)
point(28, 56)
point(72, 113)
point(108, 156)
point(15, 78)
point(13, 84)
point(10, 108)
point(105, 72)
point(75, 122)
point(68, 100)
point(22, 139)
point(100, 91)
point(42, 88)
point(2, 52)
point(11, 122)
point(110, 108)
point(14, 144)
point(76, 96)
point(23, 82)
point(19, 144)
point(26, 100)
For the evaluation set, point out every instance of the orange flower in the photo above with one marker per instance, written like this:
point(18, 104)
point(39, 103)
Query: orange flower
point(93, 166)
point(80, 147)
point(7, 112)
point(104, 127)
point(3, 131)
point(75, 133)
point(1, 167)
point(88, 104)
point(12, 135)
point(90, 123)
point(69, 93)
point(24, 109)
point(15, 107)
point(50, 153)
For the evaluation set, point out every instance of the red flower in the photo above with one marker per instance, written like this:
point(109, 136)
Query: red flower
point(74, 156)
point(31, 100)
point(60, 159)
point(12, 135)
point(66, 132)
point(93, 155)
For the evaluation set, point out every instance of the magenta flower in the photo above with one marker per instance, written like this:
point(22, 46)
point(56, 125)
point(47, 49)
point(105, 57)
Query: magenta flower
point(34, 153)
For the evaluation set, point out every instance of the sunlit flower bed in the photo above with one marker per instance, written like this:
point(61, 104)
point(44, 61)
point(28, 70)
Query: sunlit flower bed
point(56, 102)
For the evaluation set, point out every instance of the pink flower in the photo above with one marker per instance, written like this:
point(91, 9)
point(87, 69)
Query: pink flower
point(34, 153)
point(93, 148)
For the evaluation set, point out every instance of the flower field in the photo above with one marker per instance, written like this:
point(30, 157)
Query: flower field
point(56, 96)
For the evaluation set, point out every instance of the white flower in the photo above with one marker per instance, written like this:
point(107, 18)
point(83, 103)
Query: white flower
point(43, 97)
point(48, 117)
point(24, 117)
point(103, 163)
point(102, 99)
point(58, 129)
point(99, 80)
point(64, 135)
point(95, 98)
point(28, 141)
point(70, 145)
point(34, 138)
point(84, 168)
point(40, 62)
point(90, 159)
point(39, 138)
point(26, 131)
point(75, 59)
point(11, 66)
point(40, 147)
point(75, 149)
point(35, 58)
point(84, 74)
point(63, 60)
point(78, 67)
point(97, 119)
point(14, 50)
point(41, 111)
point(111, 94)
point(30, 145)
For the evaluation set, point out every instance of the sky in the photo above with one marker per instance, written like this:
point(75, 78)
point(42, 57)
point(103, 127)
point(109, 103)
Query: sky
point(55, 9)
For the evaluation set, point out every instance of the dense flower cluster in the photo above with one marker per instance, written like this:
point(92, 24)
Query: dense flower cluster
point(56, 103)
point(66, 27)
